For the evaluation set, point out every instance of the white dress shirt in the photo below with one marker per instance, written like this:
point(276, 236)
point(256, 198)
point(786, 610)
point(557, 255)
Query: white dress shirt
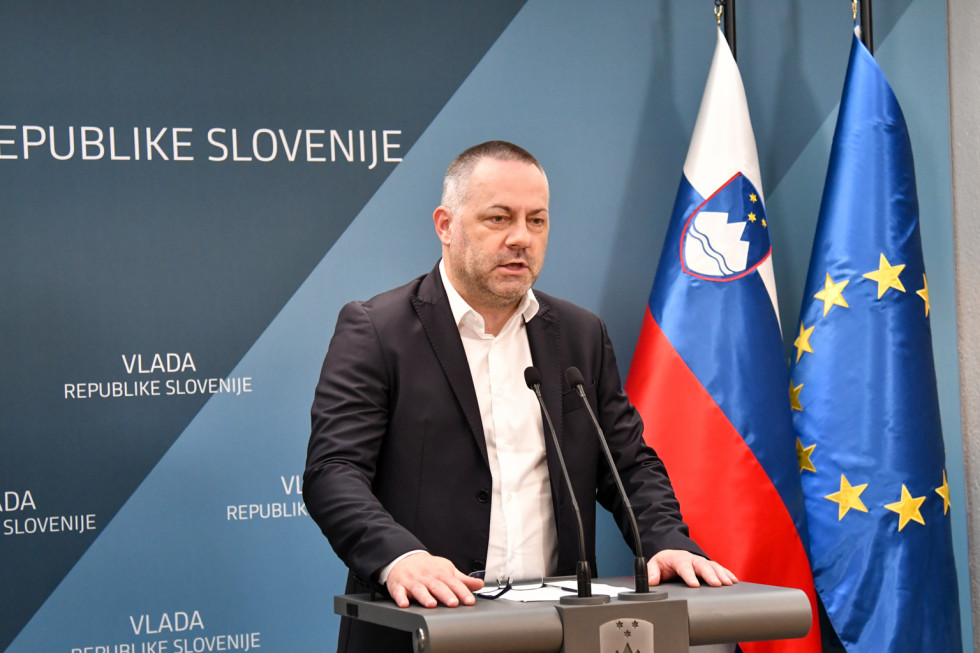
point(523, 536)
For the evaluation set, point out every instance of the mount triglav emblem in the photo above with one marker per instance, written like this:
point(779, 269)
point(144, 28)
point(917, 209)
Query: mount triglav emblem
point(713, 246)
point(728, 235)
point(627, 635)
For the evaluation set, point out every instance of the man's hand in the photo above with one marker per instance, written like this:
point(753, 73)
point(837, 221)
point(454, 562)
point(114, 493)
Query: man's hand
point(430, 580)
point(672, 563)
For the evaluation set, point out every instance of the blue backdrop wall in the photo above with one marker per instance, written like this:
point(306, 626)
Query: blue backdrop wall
point(191, 191)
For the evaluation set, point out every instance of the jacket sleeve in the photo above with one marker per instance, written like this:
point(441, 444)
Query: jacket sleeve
point(643, 474)
point(349, 420)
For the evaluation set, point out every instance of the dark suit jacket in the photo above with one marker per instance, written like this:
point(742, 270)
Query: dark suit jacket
point(397, 458)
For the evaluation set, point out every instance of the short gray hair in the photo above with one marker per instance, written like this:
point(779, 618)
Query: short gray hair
point(454, 185)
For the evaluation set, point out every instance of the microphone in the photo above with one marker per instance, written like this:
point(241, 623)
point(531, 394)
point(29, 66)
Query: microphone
point(640, 577)
point(583, 574)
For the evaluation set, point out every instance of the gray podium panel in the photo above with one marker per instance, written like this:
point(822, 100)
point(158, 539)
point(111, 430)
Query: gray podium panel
point(688, 616)
point(745, 612)
point(487, 627)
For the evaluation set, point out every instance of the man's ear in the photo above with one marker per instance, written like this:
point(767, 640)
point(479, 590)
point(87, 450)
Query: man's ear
point(442, 218)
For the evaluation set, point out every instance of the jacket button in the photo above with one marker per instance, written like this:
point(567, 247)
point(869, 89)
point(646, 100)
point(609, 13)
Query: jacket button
point(482, 496)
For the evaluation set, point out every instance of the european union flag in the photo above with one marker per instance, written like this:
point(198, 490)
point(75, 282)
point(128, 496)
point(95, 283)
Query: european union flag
point(863, 392)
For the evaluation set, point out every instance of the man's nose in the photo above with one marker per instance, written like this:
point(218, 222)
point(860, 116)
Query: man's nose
point(519, 236)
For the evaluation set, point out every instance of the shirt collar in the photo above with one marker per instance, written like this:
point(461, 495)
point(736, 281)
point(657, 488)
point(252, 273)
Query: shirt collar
point(528, 307)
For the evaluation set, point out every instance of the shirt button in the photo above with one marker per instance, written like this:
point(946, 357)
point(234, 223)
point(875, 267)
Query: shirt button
point(482, 496)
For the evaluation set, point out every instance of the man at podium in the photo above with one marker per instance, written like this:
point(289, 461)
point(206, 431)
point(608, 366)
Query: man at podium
point(428, 458)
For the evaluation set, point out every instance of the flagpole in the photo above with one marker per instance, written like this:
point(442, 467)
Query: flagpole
point(866, 28)
point(727, 8)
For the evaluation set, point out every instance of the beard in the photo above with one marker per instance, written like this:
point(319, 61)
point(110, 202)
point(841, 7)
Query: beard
point(482, 282)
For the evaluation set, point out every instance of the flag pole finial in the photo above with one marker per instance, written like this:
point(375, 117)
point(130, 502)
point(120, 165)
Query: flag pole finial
point(727, 7)
point(863, 28)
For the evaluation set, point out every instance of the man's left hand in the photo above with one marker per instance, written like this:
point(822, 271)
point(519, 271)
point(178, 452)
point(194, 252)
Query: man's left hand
point(673, 563)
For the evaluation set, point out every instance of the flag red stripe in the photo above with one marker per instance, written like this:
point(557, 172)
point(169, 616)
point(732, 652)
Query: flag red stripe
point(734, 512)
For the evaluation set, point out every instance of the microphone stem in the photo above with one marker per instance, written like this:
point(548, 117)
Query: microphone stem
point(582, 572)
point(640, 577)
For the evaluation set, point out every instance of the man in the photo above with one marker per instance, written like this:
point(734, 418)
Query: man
point(428, 459)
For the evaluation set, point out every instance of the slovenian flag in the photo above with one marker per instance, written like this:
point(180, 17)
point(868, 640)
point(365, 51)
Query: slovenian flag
point(709, 373)
point(864, 396)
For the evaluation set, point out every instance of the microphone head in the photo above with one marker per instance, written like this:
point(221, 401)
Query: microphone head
point(574, 377)
point(532, 377)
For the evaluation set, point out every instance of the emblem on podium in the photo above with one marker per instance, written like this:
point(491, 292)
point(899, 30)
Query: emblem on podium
point(626, 636)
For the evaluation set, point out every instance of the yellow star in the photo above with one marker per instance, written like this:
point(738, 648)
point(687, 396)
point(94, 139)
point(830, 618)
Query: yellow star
point(751, 217)
point(943, 491)
point(794, 396)
point(802, 342)
point(848, 497)
point(924, 293)
point(803, 456)
point(764, 223)
point(907, 508)
point(753, 198)
point(886, 275)
point(831, 295)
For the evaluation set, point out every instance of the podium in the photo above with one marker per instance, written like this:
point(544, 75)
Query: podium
point(685, 617)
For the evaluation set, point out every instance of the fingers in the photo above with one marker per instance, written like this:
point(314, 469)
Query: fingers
point(669, 564)
point(684, 567)
point(471, 583)
point(430, 581)
point(726, 576)
point(713, 573)
point(398, 594)
point(707, 572)
point(450, 591)
point(653, 573)
point(689, 568)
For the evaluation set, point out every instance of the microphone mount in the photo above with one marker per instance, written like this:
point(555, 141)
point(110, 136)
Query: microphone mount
point(583, 573)
point(641, 578)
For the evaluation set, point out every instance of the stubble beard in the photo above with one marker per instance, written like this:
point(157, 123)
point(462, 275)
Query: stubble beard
point(476, 276)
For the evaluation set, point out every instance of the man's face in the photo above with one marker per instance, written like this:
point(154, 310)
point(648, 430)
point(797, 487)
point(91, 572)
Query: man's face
point(494, 245)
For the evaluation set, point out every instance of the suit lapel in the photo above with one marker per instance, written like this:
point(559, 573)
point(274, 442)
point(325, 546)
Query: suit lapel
point(432, 307)
point(544, 338)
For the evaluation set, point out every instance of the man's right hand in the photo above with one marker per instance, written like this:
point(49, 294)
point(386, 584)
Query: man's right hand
point(430, 580)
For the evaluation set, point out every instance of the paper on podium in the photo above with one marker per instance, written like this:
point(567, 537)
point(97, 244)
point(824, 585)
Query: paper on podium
point(552, 591)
